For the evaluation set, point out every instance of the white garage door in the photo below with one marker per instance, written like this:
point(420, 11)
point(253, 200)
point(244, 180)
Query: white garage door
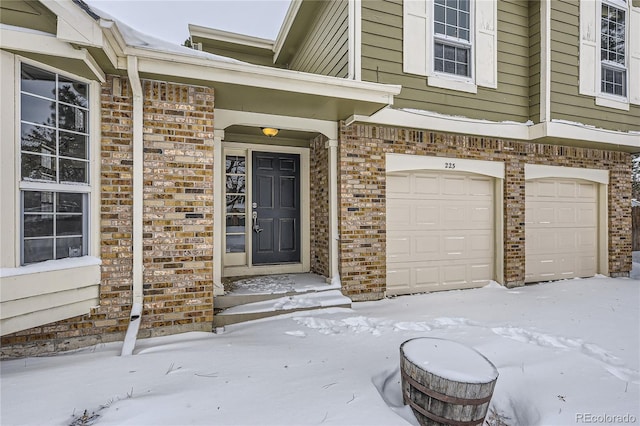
point(561, 229)
point(440, 231)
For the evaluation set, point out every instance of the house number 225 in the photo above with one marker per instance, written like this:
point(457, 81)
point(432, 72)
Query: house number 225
point(449, 165)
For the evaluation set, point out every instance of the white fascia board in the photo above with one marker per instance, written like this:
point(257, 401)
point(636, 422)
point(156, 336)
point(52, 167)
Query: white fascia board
point(114, 43)
point(577, 131)
point(442, 123)
point(230, 37)
point(74, 24)
point(12, 38)
point(265, 77)
point(503, 130)
point(292, 12)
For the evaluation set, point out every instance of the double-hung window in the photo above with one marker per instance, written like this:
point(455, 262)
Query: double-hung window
point(613, 46)
point(610, 52)
point(54, 165)
point(453, 43)
point(452, 37)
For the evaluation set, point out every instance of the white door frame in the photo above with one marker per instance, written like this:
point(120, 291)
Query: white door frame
point(224, 119)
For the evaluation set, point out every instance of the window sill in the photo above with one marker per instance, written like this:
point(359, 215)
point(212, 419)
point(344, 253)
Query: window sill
point(452, 84)
point(620, 103)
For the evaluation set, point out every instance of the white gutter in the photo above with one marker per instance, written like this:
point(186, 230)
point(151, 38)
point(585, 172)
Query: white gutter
point(560, 129)
point(138, 173)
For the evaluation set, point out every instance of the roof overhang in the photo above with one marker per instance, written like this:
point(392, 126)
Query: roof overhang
point(296, 24)
point(555, 132)
point(240, 46)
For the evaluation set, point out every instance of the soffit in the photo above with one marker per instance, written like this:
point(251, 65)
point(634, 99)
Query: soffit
point(278, 102)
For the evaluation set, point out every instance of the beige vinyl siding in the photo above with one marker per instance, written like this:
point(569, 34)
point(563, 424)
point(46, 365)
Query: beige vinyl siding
point(382, 62)
point(534, 61)
point(325, 49)
point(566, 102)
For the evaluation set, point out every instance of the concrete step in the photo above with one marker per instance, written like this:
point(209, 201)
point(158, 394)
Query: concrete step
point(230, 300)
point(282, 304)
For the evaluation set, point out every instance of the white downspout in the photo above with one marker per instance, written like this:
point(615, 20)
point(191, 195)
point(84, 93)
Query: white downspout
point(138, 174)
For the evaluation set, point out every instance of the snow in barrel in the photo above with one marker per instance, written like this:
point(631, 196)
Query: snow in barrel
point(445, 382)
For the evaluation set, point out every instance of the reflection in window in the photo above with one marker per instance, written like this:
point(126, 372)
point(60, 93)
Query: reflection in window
point(54, 152)
point(452, 29)
point(55, 124)
point(53, 225)
point(613, 50)
point(235, 196)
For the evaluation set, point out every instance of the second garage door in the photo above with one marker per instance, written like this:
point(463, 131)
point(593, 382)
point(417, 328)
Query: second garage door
point(561, 233)
point(440, 231)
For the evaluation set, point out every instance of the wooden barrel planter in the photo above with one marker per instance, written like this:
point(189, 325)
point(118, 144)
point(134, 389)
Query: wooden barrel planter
point(445, 382)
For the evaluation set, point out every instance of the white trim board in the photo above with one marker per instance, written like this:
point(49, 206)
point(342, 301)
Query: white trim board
point(407, 162)
point(539, 171)
point(528, 131)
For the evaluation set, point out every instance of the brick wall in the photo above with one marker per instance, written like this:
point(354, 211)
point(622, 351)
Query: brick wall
point(178, 215)
point(362, 195)
point(319, 206)
point(178, 207)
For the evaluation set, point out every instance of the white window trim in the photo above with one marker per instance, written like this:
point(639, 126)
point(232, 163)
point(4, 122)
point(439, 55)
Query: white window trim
point(590, 51)
point(448, 80)
point(605, 98)
point(418, 41)
point(53, 290)
point(91, 188)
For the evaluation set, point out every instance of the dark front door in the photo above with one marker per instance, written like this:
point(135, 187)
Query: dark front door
point(276, 208)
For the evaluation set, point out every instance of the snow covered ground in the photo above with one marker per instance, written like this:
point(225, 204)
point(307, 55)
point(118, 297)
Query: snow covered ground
point(567, 353)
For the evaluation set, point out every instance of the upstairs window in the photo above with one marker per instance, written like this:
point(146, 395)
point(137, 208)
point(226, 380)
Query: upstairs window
point(453, 43)
point(452, 37)
point(54, 165)
point(613, 50)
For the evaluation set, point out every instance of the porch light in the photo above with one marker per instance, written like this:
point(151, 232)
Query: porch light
point(269, 131)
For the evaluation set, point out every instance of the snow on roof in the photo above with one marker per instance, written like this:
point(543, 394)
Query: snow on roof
point(460, 117)
point(135, 38)
point(635, 203)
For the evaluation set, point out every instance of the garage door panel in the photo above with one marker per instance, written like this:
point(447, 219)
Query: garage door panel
point(587, 240)
point(588, 190)
point(560, 229)
point(587, 216)
point(425, 185)
point(426, 278)
point(426, 247)
point(453, 216)
point(481, 214)
point(401, 212)
point(454, 275)
point(399, 184)
point(481, 273)
point(567, 215)
point(566, 189)
point(453, 185)
point(399, 279)
point(398, 246)
point(451, 229)
point(426, 216)
point(481, 187)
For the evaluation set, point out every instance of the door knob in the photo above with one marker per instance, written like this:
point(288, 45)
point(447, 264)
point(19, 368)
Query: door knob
point(256, 228)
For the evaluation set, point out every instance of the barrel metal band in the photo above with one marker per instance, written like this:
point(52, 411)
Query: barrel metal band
point(442, 420)
point(444, 398)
